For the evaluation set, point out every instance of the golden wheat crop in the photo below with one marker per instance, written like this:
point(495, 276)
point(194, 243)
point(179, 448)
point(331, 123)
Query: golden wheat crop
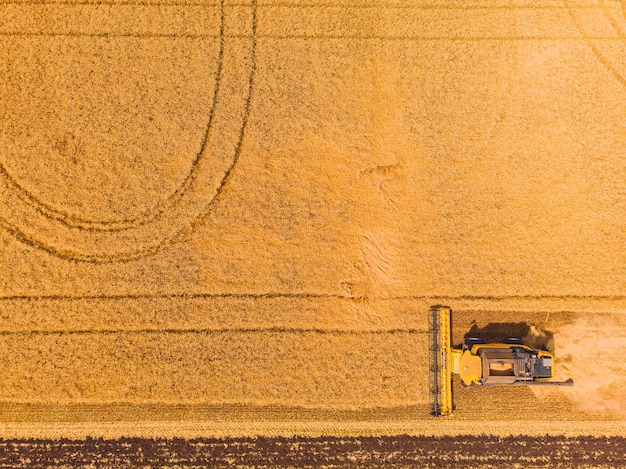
point(251, 205)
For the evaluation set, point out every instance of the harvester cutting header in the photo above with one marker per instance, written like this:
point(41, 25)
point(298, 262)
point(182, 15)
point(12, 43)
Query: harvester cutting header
point(486, 364)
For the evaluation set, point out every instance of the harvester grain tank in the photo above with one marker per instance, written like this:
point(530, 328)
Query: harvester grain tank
point(495, 364)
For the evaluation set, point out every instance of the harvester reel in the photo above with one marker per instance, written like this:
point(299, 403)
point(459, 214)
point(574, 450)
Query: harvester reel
point(440, 360)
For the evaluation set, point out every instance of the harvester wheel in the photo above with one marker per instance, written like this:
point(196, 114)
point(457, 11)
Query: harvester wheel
point(470, 341)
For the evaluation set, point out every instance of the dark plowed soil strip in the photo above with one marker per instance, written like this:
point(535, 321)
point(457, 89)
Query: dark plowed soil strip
point(399, 451)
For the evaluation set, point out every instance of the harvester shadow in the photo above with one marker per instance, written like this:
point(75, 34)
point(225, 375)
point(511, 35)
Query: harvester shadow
point(511, 332)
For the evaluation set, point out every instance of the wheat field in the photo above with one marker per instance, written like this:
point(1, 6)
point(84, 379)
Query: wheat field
point(224, 218)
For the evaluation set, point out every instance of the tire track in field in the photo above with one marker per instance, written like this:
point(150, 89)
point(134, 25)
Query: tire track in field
point(589, 40)
point(298, 313)
point(301, 295)
point(217, 330)
point(80, 224)
point(312, 5)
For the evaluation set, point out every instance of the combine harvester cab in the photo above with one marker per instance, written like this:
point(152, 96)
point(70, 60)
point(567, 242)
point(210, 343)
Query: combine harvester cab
point(498, 364)
point(503, 364)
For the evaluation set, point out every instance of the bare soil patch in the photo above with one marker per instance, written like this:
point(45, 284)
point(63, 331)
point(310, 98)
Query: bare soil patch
point(474, 451)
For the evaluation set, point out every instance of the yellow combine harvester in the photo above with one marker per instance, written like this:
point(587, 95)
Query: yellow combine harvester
point(479, 363)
